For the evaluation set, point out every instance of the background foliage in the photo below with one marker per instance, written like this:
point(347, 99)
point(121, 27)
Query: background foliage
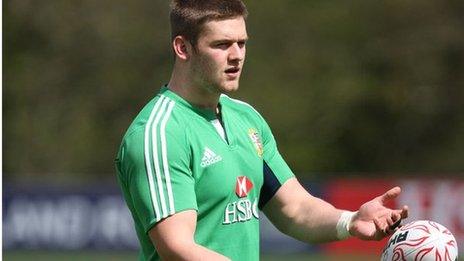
point(353, 86)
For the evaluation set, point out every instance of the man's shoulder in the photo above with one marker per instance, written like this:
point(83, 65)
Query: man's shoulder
point(240, 106)
point(160, 114)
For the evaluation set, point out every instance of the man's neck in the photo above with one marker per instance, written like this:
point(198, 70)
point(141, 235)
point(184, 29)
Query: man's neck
point(196, 95)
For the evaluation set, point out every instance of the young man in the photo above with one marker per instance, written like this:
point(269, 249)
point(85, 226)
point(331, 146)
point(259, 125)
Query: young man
point(196, 166)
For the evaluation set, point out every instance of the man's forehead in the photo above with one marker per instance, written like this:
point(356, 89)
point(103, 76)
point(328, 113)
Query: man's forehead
point(234, 28)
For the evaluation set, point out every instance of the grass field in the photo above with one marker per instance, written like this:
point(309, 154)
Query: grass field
point(123, 256)
point(120, 256)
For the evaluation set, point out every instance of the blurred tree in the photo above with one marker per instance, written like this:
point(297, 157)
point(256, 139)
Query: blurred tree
point(346, 86)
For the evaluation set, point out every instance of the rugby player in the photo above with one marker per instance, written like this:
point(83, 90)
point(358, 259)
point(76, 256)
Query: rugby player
point(197, 166)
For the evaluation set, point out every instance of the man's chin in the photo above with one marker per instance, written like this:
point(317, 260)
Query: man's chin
point(229, 88)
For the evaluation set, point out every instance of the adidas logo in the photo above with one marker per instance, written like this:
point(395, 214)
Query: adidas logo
point(209, 158)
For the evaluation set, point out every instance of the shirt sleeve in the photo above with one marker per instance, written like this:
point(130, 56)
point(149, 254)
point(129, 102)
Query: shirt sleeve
point(156, 176)
point(275, 170)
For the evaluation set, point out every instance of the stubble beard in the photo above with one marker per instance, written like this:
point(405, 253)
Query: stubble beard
point(210, 78)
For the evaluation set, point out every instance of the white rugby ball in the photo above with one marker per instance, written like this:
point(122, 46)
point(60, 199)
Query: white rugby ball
point(421, 240)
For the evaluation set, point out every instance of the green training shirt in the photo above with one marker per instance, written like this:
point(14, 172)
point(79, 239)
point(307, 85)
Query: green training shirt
point(173, 159)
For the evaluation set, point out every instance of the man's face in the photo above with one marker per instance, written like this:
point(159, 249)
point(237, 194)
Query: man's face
point(217, 59)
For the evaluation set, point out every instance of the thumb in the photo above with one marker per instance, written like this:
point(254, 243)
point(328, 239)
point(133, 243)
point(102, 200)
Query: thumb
point(391, 194)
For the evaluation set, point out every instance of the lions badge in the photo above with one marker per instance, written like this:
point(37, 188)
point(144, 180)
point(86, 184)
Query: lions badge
point(256, 139)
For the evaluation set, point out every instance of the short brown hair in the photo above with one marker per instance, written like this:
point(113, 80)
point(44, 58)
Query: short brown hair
point(189, 16)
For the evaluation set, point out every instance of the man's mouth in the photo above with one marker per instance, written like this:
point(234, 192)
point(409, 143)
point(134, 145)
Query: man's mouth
point(233, 70)
point(233, 73)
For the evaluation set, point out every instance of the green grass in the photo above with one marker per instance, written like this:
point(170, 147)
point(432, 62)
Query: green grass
point(64, 255)
point(120, 256)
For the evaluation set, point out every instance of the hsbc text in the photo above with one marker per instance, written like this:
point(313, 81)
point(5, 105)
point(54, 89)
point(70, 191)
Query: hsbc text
point(240, 211)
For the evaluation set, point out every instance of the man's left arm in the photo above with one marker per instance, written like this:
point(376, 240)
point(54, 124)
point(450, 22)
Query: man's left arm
point(298, 214)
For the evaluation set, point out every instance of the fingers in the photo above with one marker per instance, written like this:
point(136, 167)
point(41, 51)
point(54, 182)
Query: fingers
point(392, 219)
point(378, 225)
point(404, 212)
point(398, 214)
point(387, 225)
point(381, 229)
point(391, 194)
point(395, 221)
point(395, 216)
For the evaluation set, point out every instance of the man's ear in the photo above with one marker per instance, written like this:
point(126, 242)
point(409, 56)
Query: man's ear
point(182, 48)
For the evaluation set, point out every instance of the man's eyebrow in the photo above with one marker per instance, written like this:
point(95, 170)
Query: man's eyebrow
point(243, 38)
point(229, 40)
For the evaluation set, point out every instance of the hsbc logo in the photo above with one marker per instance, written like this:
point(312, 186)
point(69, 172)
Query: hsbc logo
point(243, 186)
point(243, 209)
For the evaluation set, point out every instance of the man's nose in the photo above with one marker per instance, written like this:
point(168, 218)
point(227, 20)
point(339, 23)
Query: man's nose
point(237, 52)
